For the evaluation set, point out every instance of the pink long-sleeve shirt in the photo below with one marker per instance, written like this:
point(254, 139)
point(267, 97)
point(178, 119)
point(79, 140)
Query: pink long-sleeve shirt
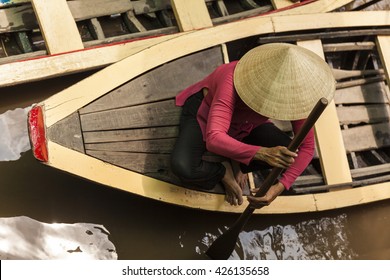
point(225, 120)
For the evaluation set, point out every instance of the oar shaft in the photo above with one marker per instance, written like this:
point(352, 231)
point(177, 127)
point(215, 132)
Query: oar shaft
point(276, 171)
point(223, 246)
point(294, 145)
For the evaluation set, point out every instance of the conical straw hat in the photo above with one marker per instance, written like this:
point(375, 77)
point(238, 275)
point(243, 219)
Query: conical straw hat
point(283, 81)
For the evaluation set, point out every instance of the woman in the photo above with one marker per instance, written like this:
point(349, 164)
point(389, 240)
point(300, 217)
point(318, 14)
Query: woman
point(228, 113)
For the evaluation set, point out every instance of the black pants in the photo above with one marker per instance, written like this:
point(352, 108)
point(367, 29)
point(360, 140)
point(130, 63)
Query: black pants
point(186, 159)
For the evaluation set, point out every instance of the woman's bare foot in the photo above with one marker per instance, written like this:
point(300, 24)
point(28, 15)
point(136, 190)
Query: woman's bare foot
point(232, 188)
point(241, 178)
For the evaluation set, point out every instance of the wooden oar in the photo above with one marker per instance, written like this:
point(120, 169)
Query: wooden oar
point(224, 245)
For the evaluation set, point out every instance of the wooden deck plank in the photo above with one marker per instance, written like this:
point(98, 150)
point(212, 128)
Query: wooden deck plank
point(159, 146)
point(152, 165)
point(370, 93)
point(191, 15)
point(330, 145)
point(149, 115)
point(87, 9)
point(17, 19)
point(67, 132)
point(64, 24)
point(131, 134)
point(161, 83)
point(366, 137)
point(373, 113)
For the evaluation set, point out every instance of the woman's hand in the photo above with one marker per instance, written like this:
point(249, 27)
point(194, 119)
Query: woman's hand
point(278, 156)
point(273, 192)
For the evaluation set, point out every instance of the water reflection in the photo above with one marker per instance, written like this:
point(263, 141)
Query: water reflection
point(314, 239)
point(26, 238)
point(14, 134)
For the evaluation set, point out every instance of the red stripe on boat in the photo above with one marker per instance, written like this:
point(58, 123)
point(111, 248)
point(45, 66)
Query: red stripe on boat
point(37, 133)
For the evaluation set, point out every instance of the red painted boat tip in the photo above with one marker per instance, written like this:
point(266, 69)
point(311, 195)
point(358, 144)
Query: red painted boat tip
point(37, 133)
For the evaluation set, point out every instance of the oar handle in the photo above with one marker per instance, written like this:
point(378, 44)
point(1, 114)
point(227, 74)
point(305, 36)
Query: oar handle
point(294, 144)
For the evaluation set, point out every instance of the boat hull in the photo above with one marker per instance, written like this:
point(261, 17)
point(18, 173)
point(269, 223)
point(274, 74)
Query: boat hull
point(86, 98)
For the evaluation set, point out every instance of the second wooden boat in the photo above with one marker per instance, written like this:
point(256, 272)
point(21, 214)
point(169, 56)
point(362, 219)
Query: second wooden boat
point(117, 127)
point(40, 39)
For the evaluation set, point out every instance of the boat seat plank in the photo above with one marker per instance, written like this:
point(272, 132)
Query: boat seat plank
point(369, 93)
point(367, 137)
point(130, 134)
point(21, 18)
point(67, 132)
point(64, 24)
point(161, 83)
point(87, 9)
point(159, 146)
point(191, 15)
point(363, 114)
point(148, 115)
point(330, 148)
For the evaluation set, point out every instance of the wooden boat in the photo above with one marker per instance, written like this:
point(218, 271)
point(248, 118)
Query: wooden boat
point(40, 39)
point(117, 127)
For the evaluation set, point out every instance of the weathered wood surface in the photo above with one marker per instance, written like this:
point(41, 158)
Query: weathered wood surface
point(64, 24)
point(86, 9)
point(160, 146)
point(130, 134)
point(159, 84)
point(367, 137)
point(147, 115)
point(343, 47)
point(330, 147)
point(372, 113)
point(67, 132)
point(368, 93)
point(340, 74)
point(135, 126)
point(191, 15)
point(152, 165)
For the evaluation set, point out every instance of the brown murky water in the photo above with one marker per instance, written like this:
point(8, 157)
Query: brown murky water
point(144, 229)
